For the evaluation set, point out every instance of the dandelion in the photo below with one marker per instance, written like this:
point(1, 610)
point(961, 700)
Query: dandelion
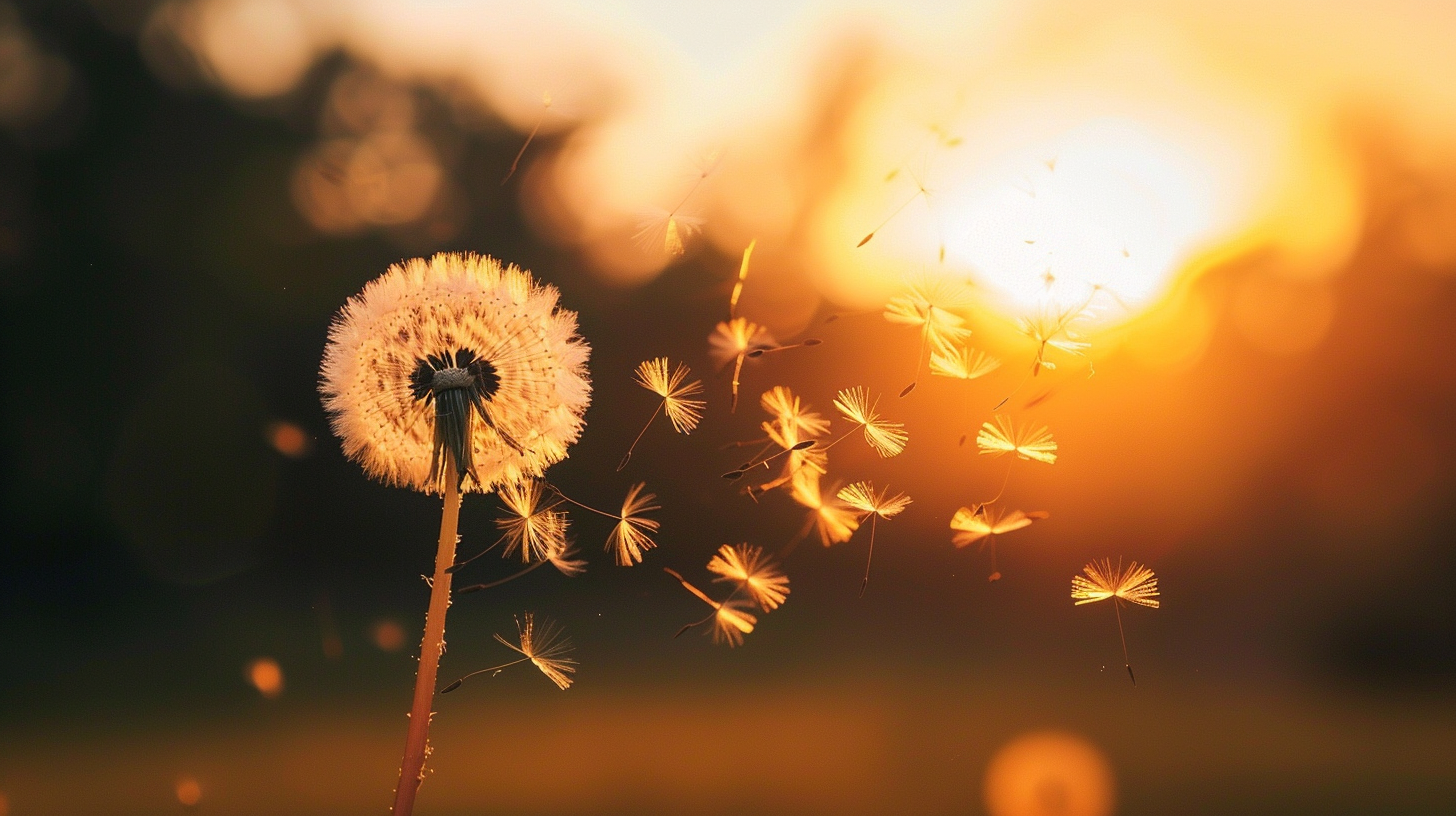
point(929, 304)
point(732, 341)
point(530, 526)
point(1004, 437)
point(732, 618)
point(677, 394)
point(746, 565)
point(984, 523)
point(887, 438)
point(830, 518)
point(1101, 580)
point(546, 649)
point(455, 358)
point(632, 535)
point(861, 496)
point(445, 375)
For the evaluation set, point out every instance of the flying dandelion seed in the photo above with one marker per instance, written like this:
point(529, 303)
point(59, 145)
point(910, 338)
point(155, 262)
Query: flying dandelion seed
point(677, 394)
point(961, 362)
point(791, 426)
point(1004, 437)
point(731, 618)
point(886, 438)
point(831, 518)
point(670, 229)
point(861, 496)
point(530, 527)
point(632, 534)
point(984, 523)
point(1052, 328)
point(450, 374)
point(755, 574)
point(929, 304)
point(561, 555)
point(546, 649)
point(530, 137)
point(922, 192)
point(731, 341)
point(742, 278)
point(1101, 580)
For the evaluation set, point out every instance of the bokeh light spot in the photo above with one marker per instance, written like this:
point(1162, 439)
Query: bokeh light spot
point(1049, 773)
point(266, 676)
point(189, 792)
point(388, 635)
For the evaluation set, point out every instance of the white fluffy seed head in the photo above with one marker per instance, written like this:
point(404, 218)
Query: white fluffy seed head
point(430, 307)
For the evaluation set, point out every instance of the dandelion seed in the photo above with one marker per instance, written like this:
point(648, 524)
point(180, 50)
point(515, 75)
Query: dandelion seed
point(1052, 328)
point(545, 648)
point(670, 229)
point(530, 527)
point(756, 575)
point(831, 518)
point(456, 357)
point(984, 523)
point(861, 496)
point(1004, 437)
point(961, 363)
point(929, 305)
point(632, 534)
point(742, 278)
point(731, 618)
point(886, 438)
point(545, 108)
point(792, 418)
point(682, 411)
point(731, 341)
point(1101, 580)
point(563, 558)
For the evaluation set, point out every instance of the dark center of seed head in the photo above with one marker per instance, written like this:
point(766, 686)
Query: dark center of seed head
point(447, 378)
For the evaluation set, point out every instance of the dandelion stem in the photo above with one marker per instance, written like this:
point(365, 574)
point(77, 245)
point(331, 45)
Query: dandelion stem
point(919, 355)
point(412, 767)
point(507, 579)
point(842, 438)
point(633, 446)
point(456, 684)
point(1117, 606)
point(690, 588)
point(737, 377)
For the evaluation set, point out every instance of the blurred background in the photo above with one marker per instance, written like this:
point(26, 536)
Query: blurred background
point(205, 608)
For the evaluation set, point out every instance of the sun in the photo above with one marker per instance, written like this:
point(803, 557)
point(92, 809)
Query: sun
point(1104, 206)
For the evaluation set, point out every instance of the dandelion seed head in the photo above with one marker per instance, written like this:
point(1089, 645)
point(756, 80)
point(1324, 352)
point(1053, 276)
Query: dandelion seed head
point(464, 337)
point(747, 566)
point(1101, 580)
point(677, 394)
point(546, 647)
point(1002, 436)
point(632, 534)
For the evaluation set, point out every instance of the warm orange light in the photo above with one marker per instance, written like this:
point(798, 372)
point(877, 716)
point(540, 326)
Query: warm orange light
point(4, 805)
point(388, 635)
point(266, 676)
point(288, 439)
point(1049, 773)
point(189, 792)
